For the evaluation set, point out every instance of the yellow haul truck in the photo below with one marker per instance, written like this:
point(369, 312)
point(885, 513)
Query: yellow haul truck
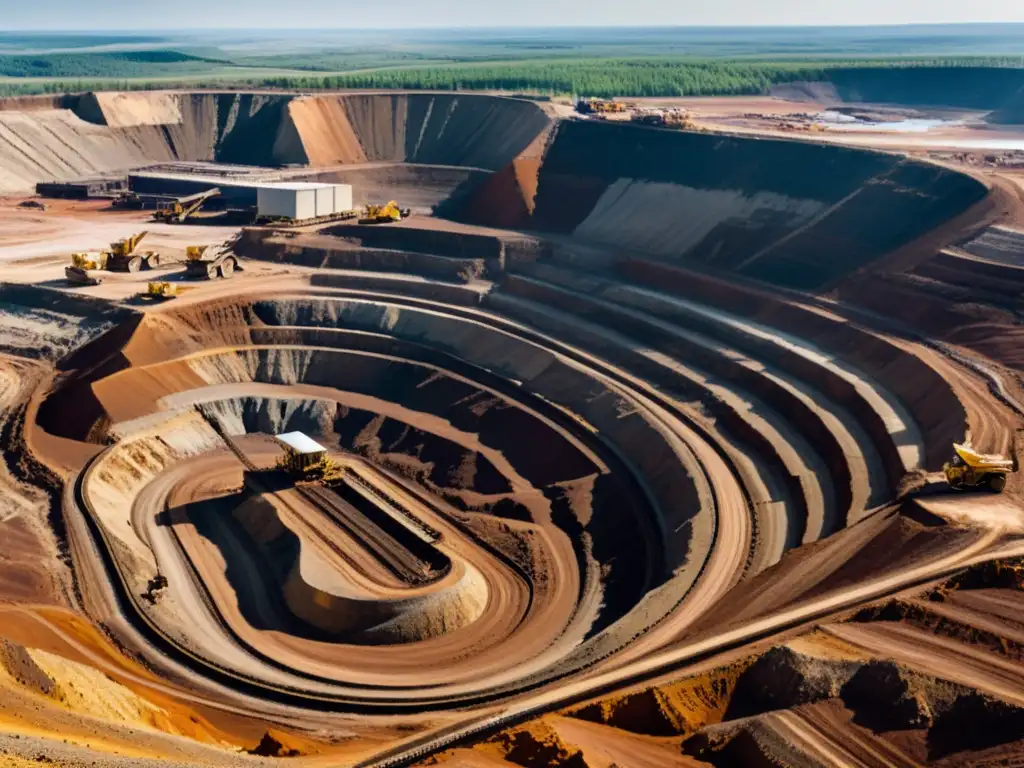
point(121, 256)
point(969, 469)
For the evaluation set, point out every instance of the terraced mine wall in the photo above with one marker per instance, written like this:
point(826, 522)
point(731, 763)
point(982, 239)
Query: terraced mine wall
point(105, 132)
point(632, 432)
point(542, 457)
point(335, 253)
point(454, 256)
point(792, 213)
point(935, 408)
point(969, 296)
point(982, 88)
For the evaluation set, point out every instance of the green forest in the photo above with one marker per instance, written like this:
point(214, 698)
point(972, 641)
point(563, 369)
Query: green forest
point(633, 77)
point(611, 77)
point(121, 64)
point(602, 77)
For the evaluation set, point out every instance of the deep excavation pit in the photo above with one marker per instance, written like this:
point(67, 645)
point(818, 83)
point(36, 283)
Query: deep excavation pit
point(588, 376)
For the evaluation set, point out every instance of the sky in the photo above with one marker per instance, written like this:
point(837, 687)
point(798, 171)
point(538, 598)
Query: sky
point(321, 14)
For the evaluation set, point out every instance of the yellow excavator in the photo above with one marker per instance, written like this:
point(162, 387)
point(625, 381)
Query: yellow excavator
point(383, 214)
point(971, 470)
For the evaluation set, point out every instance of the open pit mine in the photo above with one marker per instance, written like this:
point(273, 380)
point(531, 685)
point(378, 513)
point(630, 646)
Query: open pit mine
point(624, 447)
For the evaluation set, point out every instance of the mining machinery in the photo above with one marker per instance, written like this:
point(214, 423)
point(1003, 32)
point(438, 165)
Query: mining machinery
point(601, 107)
point(383, 214)
point(162, 290)
point(81, 265)
point(179, 210)
point(210, 262)
point(665, 118)
point(971, 470)
point(123, 256)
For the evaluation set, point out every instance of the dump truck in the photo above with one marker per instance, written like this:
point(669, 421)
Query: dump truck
point(209, 261)
point(971, 470)
point(179, 210)
point(383, 214)
point(120, 257)
point(123, 255)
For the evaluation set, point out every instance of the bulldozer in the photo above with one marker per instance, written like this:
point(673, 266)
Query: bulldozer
point(122, 255)
point(383, 214)
point(81, 265)
point(971, 470)
point(179, 211)
point(210, 262)
point(161, 290)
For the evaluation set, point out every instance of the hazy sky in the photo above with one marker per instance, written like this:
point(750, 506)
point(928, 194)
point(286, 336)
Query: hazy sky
point(318, 14)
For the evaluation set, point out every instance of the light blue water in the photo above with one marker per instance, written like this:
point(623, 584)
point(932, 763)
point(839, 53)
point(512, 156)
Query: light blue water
point(993, 144)
point(839, 122)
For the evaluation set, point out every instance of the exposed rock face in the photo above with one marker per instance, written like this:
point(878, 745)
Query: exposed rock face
point(103, 132)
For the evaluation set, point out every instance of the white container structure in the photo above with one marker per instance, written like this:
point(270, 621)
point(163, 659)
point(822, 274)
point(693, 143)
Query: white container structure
point(286, 201)
point(299, 201)
point(324, 201)
point(343, 198)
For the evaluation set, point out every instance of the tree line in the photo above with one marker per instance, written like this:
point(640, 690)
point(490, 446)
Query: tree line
point(595, 77)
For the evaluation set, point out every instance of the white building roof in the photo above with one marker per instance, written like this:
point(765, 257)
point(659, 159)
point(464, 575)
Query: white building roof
point(300, 185)
point(251, 181)
point(301, 443)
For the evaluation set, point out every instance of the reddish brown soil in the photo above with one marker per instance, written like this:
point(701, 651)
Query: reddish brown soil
point(613, 505)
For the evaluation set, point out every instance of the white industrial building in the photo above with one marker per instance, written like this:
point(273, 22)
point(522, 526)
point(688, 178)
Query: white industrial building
point(303, 200)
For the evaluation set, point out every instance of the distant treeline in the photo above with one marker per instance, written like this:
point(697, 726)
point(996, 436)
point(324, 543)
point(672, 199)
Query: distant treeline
point(593, 78)
point(919, 80)
point(123, 64)
point(626, 78)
